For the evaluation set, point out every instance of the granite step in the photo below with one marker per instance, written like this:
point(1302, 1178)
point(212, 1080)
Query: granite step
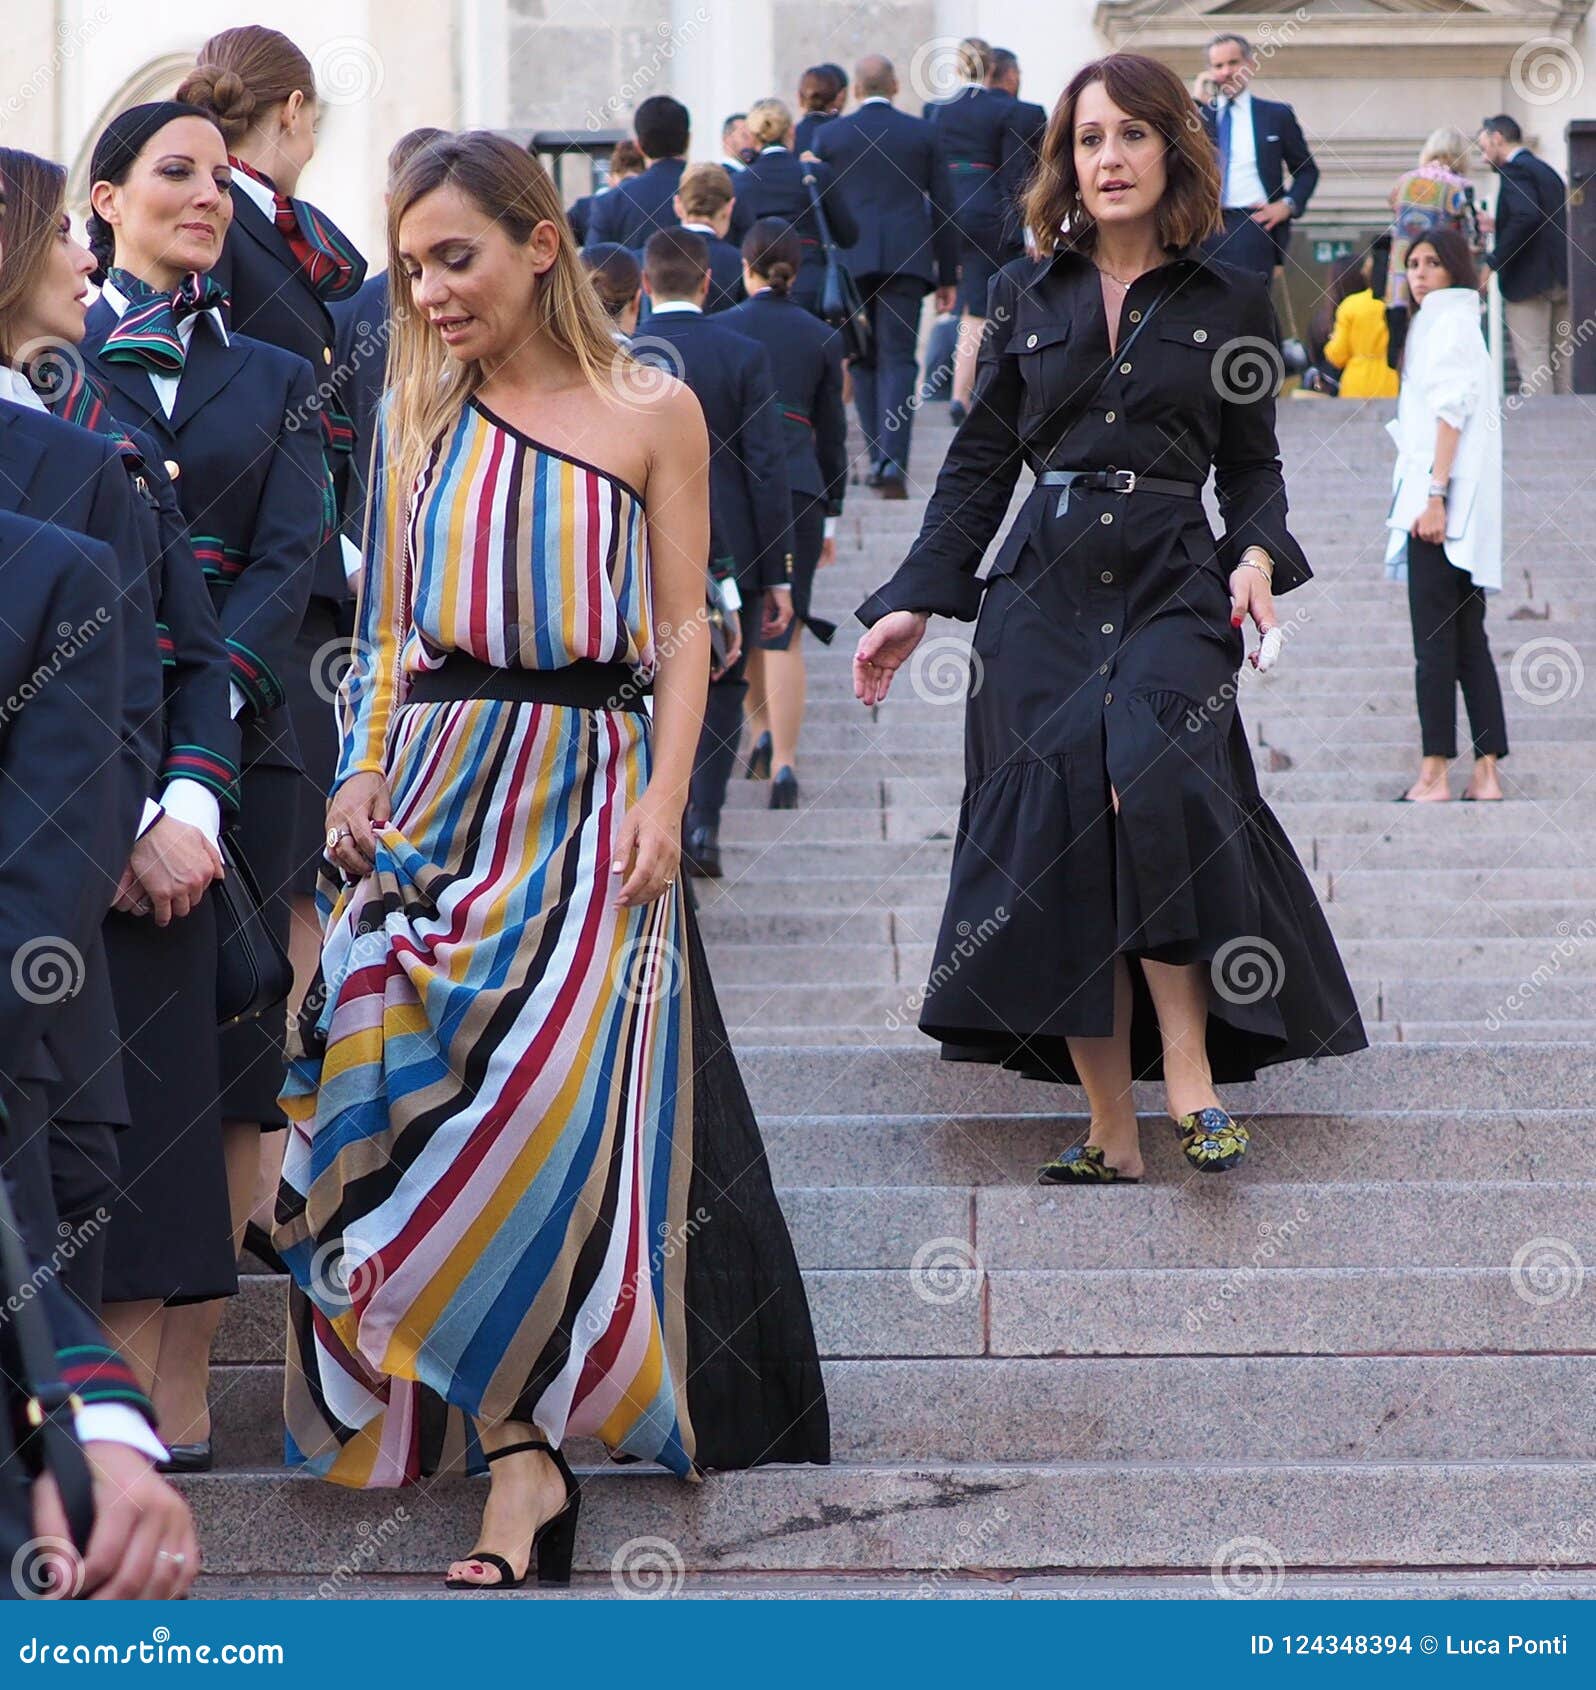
point(1108, 1408)
point(927, 1516)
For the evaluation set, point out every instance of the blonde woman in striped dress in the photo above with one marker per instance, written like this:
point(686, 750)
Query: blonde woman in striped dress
point(525, 1197)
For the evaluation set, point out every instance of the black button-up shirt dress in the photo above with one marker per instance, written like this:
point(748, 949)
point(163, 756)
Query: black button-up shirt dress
point(1103, 653)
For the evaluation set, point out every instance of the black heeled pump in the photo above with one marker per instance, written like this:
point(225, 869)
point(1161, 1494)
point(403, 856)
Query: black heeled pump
point(784, 789)
point(553, 1543)
point(758, 765)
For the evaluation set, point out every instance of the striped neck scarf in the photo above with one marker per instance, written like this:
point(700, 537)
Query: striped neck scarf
point(147, 333)
point(327, 260)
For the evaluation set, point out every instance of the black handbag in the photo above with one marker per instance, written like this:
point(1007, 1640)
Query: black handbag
point(841, 303)
point(253, 973)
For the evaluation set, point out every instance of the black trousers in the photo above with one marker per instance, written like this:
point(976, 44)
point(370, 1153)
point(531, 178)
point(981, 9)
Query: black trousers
point(884, 394)
point(723, 726)
point(1450, 650)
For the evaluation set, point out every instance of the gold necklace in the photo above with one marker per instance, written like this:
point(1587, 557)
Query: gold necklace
point(1112, 277)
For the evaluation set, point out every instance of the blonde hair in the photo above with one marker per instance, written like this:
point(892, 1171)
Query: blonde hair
point(704, 189)
point(507, 184)
point(1447, 146)
point(769, 121)
point(242, 74)
point(974, 58)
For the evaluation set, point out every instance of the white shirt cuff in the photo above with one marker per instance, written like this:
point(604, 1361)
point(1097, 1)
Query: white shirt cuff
point(195, 804)
point(116, 1423)
point(831, 528)
point(151, 815)
point(780, 587)
point(236, 699)
point(352, 558)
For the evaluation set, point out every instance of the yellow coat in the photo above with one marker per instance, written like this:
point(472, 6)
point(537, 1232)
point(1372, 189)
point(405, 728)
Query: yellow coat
point(1357, 347)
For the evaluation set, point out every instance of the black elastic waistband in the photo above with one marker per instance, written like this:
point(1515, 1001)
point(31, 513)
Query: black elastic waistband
point(584, 685)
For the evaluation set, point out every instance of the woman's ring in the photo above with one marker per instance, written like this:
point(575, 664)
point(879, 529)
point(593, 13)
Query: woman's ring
point(334, 834)
point(168, 1555)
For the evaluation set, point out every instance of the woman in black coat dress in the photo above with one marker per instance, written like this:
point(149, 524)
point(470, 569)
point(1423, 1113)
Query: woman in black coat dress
point(1123, 902)
point(773, 186)
point(806, 360)
point(254, 488)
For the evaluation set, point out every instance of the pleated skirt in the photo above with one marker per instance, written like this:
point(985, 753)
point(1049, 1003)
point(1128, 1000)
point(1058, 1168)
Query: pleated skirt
point(523, 1178)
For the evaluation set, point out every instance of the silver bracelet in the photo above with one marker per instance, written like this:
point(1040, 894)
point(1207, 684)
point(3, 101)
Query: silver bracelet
point(1268, 574)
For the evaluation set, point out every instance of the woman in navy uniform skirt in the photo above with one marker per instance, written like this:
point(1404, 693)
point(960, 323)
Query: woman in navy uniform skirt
point(170, 1214)
point(772, 185)
point(253, 487)
point(972, 136)
point(806, 360)
point(1139, 910)
point(284, 265)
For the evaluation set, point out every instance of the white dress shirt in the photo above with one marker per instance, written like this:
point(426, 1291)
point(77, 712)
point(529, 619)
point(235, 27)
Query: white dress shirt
point(1243, 186)
point(186, 800)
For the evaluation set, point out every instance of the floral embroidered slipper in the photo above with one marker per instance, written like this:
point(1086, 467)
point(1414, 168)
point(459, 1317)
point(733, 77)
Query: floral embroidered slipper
point(1211, 1140)
point(1084, 1165)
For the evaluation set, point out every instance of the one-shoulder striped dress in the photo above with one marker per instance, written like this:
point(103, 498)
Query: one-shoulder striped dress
point(523, 1177)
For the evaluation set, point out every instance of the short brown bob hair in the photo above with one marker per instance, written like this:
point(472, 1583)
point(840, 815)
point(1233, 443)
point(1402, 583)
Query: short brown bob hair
point(1147, 89)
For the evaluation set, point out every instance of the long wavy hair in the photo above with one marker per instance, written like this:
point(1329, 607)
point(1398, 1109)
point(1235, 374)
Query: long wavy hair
point(506, 183)
point(1141, 86)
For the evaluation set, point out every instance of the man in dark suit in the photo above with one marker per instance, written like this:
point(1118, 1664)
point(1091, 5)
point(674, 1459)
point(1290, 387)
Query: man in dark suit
point(1023, 130)
point(1529, 253)
point(749, 499)
point(632, 212)
point(897, 186)
point(1259, 141)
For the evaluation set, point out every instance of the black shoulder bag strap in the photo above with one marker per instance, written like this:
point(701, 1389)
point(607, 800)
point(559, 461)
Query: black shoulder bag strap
point(49, 1404)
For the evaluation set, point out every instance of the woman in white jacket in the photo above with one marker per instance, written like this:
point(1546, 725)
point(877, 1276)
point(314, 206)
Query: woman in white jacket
point(1445, 519)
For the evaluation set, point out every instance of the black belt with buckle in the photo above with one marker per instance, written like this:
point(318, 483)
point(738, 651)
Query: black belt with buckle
point(1113, 481)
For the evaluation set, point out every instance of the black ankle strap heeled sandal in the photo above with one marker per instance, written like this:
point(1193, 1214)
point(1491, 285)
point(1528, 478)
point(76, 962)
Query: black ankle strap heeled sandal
point(553, 1543)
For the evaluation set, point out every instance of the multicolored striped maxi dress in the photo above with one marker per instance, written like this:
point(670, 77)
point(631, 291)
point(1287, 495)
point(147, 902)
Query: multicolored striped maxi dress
point(523, 1180)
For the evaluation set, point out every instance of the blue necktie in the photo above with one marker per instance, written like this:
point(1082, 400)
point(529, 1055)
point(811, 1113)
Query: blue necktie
point(1224, 151)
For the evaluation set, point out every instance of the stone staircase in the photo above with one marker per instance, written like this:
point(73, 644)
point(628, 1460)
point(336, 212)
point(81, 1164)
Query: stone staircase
point(1365, 1364)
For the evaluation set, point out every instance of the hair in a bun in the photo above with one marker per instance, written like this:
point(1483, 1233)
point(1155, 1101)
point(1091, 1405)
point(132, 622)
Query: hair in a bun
point(242, 74)
point(772, 249)
point(225, 95)
point(116, 152)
